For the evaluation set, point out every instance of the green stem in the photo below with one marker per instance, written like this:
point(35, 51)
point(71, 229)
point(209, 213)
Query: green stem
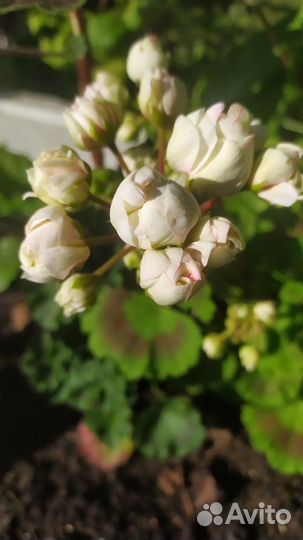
point(161, 150)
point(108, 265)
point(94, 241)
point(124, 168)
point(102, 201)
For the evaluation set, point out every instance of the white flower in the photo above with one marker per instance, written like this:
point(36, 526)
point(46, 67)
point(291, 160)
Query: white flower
point(265, 312)
point(214, 345)
point(215, 149)
point(276, 175)
point(150, 211)
point(170, 276)
point(145, 55)
point(138, 157)
point(215, 241)
point(162, 97)
point(53, 247)
point(77, 293)
point(60, 177)
point(131, 127)
point(92, 121)
point(249, 357)
point(110, 87)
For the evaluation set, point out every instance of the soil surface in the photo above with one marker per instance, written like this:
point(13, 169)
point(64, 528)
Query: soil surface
point(48, 491)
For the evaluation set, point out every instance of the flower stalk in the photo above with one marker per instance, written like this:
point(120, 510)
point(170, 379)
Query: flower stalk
point(108, 265)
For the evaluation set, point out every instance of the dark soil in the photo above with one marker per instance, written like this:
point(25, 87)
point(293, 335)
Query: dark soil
point(49, 492)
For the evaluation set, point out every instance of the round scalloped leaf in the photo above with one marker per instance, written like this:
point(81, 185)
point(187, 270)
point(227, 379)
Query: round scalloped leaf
point(202, 305)
point(276, 380)
point(142, 338)
point(278, 434)
point(112, 335)
point(173, 430)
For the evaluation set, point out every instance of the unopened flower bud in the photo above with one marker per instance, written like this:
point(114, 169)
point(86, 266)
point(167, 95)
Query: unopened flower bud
point(92, 121)
point(265, 312)
point(110, 88)
point(215, 149)
point(131, 127)
point(162, 97)
point(150, 211)
point(53, 247)
point(60, 177)
point(138, 157)
point(132, 259)
point(170, 276)
point(249, 357)
point(77, 293)
point(276, 175)
point(145, 55)
point(215, 241)
point(214, 345)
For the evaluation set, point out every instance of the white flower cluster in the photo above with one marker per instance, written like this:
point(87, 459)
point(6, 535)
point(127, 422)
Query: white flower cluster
point(211, 152)
point(164, 219)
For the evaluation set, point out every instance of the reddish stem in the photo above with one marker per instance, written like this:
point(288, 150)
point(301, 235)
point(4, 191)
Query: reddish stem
point(209, 205)
point(78, 26)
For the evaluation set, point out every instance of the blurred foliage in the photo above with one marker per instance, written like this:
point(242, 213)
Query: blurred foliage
point(135, 370)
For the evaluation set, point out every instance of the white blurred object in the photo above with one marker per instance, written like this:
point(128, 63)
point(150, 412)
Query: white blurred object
point(31, 123)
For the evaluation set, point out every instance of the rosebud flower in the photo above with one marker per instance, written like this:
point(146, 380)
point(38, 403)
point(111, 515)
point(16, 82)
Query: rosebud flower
point(214, 148)
point(162, 97)
point(60, 177)
point(249, 357)
point(145, 55)
point(265, 312)
point(77, 293)
point(170, 276)
point(215, 242)
point(214, 345)
point(138, 157)
point(53, 247)
point(110, 88)
point(276, 176)
point(92, 121)
point(149, 211)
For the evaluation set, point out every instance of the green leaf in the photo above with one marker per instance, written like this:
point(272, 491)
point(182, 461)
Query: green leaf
point(105, 31)
point(46, 364)
point(96, 388)
point(9, 262)
point(245, 210)
point(173, 430)
point(277, 379)
point(278, 434)
point(202, 305)
point(111, 334)
point(14, 185)
point(141, 337)
point(292, 293)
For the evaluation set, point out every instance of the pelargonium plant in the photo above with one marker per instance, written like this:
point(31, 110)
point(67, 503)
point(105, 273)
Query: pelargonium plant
point(164, 210)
